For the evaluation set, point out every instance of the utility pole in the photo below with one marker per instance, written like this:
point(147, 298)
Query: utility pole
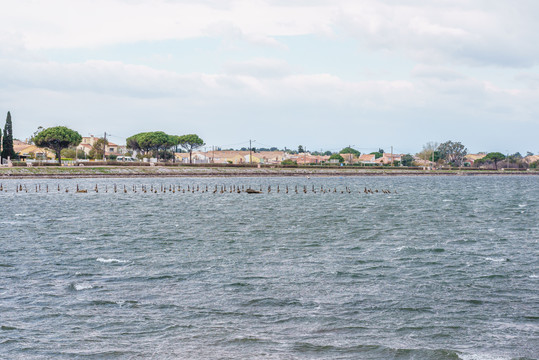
point(391, 155)
point(104, 146)
point(250, 153)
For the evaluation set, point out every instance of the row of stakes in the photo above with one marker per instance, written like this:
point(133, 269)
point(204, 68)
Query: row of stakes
point(221, 189)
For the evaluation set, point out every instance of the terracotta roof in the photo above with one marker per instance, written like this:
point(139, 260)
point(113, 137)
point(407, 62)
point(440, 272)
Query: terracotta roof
point(367, 157)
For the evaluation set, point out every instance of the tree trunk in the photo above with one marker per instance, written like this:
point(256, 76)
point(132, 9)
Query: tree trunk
point(190, 154)
point(59, 156)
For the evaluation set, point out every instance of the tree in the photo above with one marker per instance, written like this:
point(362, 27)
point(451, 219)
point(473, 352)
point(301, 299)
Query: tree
point(154, 141)
point(57, 138)
point(72, 154)
point(7, 140)
point(407, 160)
point(337, 157)
point(190, 142)
point(98, 149)
point(300, 149)
point(452, 152)
point(349, 150)
point(377, 154)
point(429, 152)
point(495, 156)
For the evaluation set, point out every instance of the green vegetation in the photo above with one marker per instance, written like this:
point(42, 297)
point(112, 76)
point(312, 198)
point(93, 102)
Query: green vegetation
point(71, 154)
point(407, 160)
point(288, 162)
point(148, 143)
point(349, 150)
point(57, 138)
point(98, 149)
point(495, 156)
point(378, 154)
point(190, 142)
point(337, 157)
point(452, 152)
point(7, 140)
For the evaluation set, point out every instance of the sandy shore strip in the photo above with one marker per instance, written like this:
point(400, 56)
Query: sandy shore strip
point(208, 171)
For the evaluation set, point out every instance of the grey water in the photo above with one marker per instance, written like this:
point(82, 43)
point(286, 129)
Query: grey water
point(440, 268)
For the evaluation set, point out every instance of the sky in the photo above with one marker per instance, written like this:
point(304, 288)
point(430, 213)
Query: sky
point(324, 74)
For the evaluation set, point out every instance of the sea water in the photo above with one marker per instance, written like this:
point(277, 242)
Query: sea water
point(437, 268)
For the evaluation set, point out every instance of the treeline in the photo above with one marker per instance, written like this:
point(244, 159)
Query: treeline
point(147, 144)
point(161, 145)
point(454, 154)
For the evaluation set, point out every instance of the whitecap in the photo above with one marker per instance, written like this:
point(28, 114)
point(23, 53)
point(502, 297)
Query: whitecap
point(108, 261)
point(80, 238)
point(496, 259)
point(481, 357)
point(82, 286)
point(533, 276)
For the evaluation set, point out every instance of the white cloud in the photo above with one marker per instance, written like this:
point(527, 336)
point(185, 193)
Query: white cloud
point(474, 33)
point(436, 72)
point(259, 68)
point(442, 44)
point(502, 33)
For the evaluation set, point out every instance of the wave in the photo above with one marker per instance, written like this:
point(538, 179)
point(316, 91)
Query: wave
point(108, 261)
point(377, 351)
point(482, 357)
point(80, 286)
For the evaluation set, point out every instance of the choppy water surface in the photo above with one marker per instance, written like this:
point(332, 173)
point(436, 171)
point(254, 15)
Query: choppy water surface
point(446, 268)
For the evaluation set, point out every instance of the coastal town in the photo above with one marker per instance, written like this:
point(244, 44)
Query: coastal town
point(30, 153)
point(63, 146)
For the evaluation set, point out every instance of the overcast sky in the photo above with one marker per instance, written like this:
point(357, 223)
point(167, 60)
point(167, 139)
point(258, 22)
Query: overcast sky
point(323, 74)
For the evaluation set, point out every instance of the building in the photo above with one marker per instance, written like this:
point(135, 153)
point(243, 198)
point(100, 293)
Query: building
point(388, 158)
point(88, 142)
point(29, 151)
point(367, 159)
point(307, 158)
point(233, 157)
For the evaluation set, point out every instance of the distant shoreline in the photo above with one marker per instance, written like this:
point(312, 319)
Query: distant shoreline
point(49, 172)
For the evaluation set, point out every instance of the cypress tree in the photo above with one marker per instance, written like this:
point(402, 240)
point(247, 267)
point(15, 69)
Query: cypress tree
point(7, 141)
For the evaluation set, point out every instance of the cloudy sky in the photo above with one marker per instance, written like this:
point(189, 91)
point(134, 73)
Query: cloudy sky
point(321, 73)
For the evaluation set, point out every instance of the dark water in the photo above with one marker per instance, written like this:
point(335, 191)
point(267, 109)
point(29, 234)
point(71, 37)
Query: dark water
point(446, 268)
